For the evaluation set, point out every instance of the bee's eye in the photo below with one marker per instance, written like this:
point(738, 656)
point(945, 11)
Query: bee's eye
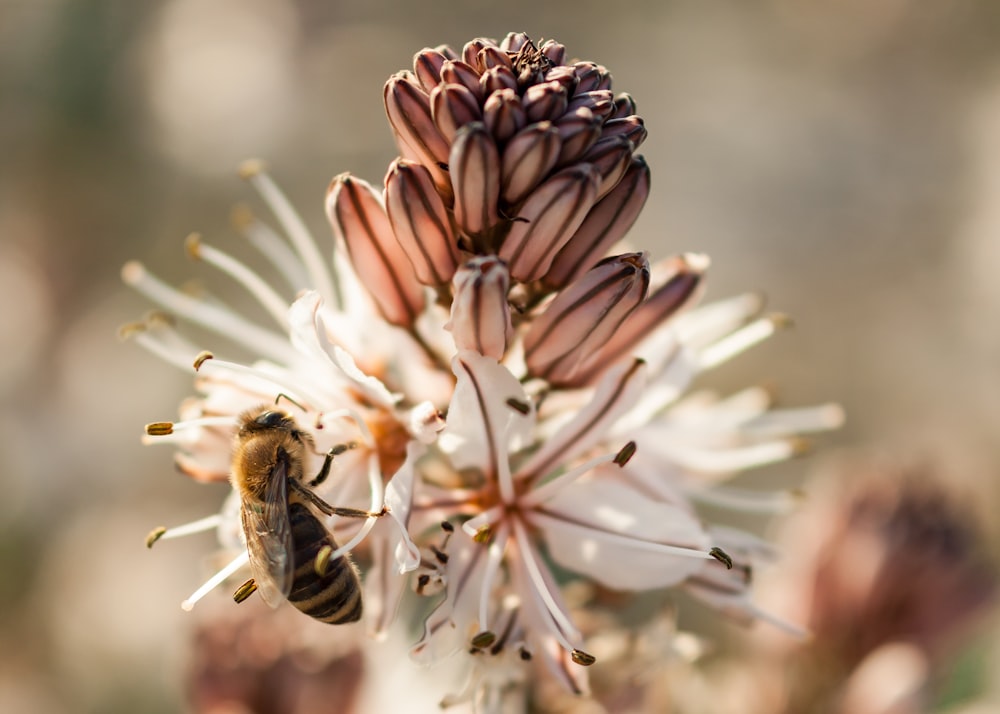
point(271, 419)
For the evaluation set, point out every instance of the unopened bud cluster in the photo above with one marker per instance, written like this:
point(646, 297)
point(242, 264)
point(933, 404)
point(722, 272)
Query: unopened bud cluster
point(517, 175)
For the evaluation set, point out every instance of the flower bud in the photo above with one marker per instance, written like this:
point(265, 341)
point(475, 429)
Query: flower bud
point(475, 177)
point(606, 223)
point(527, 159)
point(591, 75)
point(545, 101)
point(480, 313)
point(631, 127)
point(427, 65)
point(503, 114)
point(491, 56)
point(514, 42)
point(555, 51)
point(420, 221)
point(601, 102)
point(584, 316)
point(624, 106)
point(611, 157)
point(549, 217)
point(472, 49)
point(565, 76)
point(458, 72)
point(497, 78)
point(453, 106)
point(681, 286)
point(578, 131)
point(360, 221)
point(408, 109)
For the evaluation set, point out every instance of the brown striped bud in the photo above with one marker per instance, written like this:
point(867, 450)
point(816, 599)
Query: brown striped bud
point(527, 159)
point(514, 41)
point(503, 114)
point(584, 316)
point(475, 177)
point(497, 78)
point(577, 133)
point(590, 76)
point(682, 282)
point(457, 72)
point(453, 106)
point(470, 53)
point(606, 223)
point(427, 65)
point(601, 102)
point(554, 51)
point(631, 127)
point(545, 101)
point(480, 313)
point(421, 223)
point(491, 56)
point(408, 109)
point(359, 220)
point(551, 214)
point(612, 157)
point(624, 106)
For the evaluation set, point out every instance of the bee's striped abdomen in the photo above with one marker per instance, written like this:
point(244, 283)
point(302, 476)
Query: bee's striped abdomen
point(334, 597)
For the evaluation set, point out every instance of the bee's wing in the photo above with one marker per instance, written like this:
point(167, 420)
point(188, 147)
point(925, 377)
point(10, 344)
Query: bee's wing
point(269, 538)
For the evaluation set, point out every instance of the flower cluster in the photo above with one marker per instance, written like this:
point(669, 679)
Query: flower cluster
point(512, 394)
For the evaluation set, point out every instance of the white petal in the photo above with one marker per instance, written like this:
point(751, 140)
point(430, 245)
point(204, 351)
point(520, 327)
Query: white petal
point(621, 538)
point(399, 500)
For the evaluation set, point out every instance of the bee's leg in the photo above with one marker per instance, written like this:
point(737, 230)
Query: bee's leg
point(329, 510)
point(328, 461)
point(287, 399)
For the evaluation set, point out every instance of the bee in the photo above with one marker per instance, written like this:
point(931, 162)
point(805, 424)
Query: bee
point(289, 547)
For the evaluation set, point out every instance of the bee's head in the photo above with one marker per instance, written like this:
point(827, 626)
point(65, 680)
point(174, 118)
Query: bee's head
point(274, 420)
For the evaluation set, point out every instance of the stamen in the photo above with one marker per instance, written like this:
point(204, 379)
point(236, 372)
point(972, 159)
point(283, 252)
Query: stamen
point(201, 312)
point(769, 502)
point(162, 340)
point(167, 428)
point(271, 382)
point(322, 562)
point(547, 490)
point(625, 454)
point(741, 340)
point(584, 659)
point(519, 406)
point(235, 564)
point(199, 526)
point(300, 237)
point(484, 639)
point(490, 570)
point(782, 422)
point(730, 460)
point(201, 358)
point(267, 241)
point(560, 621)
point(591, 531)
point(159, 428)
point(375, 483)
point(253, 283)
point(708, 323)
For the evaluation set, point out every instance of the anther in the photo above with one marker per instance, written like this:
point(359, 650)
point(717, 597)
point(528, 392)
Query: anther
point(251, 167)
point(202, 357)
point(245, 590)
point(626, 453)
point(155, 535)
point(422, 582)
point(441, 556)
point(130, 329)
point(160, 428)
point(484, 639)
point(483, 535)
point(447, 527)
point(519, 406)
point(584, 659)
point(322, 562)
point(524, 655)
point(722, 556)
point(192, 246)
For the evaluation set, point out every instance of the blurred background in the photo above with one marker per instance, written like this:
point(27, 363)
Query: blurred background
point(843, 158)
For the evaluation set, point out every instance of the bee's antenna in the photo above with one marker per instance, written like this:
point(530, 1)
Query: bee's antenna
point(289, 399)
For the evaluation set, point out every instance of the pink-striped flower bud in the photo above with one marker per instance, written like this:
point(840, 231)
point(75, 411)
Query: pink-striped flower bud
point(545, 101)
point(577, 133)
point(605, 224)
point(612, 157)
point(584, 316)
point(631, 127)
point(624, 106)
point(549, 217)
point(514, 42)
point(599, 101)
point(471, 50)
point(420, 221)
point(458, 72)
point(360, 222)
point(555, 51)
point(408, 108)
point(427, 65)
point(475, 178)
point(497, 78)
point(527, 159)
point(591, 76)
point(491, 56)
point(565, 76)
point(504, 114)
point(681, 281)
point(453, 106)
point(480, 313)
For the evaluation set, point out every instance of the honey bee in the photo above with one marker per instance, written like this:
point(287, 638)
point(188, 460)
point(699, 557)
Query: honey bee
point(289, 547)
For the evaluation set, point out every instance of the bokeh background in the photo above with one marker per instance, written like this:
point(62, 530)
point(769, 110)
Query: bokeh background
point(843, 158)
